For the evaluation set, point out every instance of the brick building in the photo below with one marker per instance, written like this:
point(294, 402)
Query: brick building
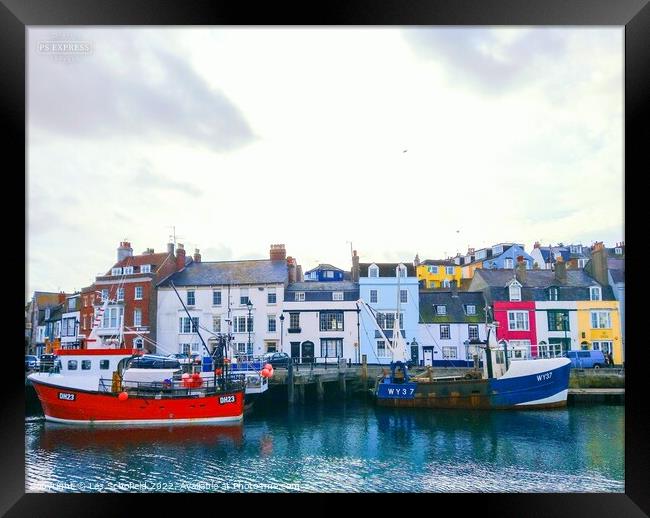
point(130, 285)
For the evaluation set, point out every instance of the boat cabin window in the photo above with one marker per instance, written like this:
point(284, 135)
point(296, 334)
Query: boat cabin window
point(85, 365)
point(104, 364)
point(72, 365)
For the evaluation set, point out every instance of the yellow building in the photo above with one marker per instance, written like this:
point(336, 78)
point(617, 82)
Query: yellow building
point(599, 327)
point(439, 274)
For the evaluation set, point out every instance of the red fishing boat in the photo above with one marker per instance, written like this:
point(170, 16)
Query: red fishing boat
point(122, 386)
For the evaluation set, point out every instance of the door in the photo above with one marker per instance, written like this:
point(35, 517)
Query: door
point(308, 352)
point(415, 355)
point(428, 356)
point(295, 350)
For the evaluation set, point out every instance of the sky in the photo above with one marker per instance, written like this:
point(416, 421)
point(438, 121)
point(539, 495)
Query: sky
point(393, 141)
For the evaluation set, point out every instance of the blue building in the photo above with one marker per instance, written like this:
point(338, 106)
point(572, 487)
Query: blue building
point(325, 273)
point(378, 287)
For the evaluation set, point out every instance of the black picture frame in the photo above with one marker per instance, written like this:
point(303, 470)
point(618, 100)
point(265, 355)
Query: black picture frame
point(634, 15)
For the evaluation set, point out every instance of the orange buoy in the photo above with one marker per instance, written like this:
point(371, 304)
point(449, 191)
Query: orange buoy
point(268, 366)
point(265, 373)
point(123, 396)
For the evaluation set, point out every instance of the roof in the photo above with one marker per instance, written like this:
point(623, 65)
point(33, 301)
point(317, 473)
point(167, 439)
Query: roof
point(618, 276)
point(439, 262)
point(499, 277)
point(616, 264)
point(139, 260)
point(455, 307)
point(537, 283)
point(387, 269)
point(325, 267)
point(261, 271)
point(323, 286)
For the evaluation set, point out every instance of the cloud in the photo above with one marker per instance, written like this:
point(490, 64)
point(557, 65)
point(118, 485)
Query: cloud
point(483, 58)
point(147, 179)
point(130, 86)
point(220, 252)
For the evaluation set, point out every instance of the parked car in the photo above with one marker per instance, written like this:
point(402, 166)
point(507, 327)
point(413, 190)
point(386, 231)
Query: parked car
point(586, 359)
point(278, 359)
point(47, 361)
point(182, 358)
point(31, 362)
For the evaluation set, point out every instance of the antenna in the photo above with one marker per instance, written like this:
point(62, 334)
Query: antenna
point(173, 237)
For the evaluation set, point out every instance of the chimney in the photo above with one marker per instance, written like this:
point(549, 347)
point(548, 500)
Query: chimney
point(355, 267)
point(278, 253)
point(180, 257)
point(61, 297)
point(291, 266)
point(416, 261)
point(599, 263)
point(124, 251)
point(299, 276)
point(197, 256)
point(560, 270)
point(170, 248)
point(454, 289)
point(148, 251)
point(536, 245)
point(521, 272)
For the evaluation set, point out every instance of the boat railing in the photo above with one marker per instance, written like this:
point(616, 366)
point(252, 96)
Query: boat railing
point(200, 387)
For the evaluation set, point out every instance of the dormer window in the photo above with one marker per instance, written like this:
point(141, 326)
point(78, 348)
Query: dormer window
point(145, 268)
point(515, 292)
point(337, 295)
point(497, 250)
point(594, 293)
point(470, 309)
point(329, 274)
point(553, 293)
point(373, 271)
point(116, 271)
point(440, 309)
point(128, 270)
point(618, 251)
point(508, 263)
point(300, 296)
point(400, 271)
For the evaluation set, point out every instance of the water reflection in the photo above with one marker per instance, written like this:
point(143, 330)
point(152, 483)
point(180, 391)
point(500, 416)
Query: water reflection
point(351, 446)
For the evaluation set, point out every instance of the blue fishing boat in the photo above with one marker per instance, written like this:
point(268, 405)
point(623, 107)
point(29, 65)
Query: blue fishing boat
point(503, 383)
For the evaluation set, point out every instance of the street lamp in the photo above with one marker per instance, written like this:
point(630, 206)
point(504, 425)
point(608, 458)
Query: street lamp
point(281, 330)
point(249, 305)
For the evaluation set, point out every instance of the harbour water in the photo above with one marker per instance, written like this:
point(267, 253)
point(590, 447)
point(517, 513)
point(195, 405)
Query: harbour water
point(334, 446)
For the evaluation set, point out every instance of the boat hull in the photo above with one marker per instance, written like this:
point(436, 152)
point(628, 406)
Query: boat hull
point(66, 405)
point(545, 389)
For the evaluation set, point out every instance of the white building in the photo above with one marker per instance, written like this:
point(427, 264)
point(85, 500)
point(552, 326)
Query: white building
point(70, 322)
point(321, 321)
point(217, 296)
point(449, 322)
point(556, 326)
